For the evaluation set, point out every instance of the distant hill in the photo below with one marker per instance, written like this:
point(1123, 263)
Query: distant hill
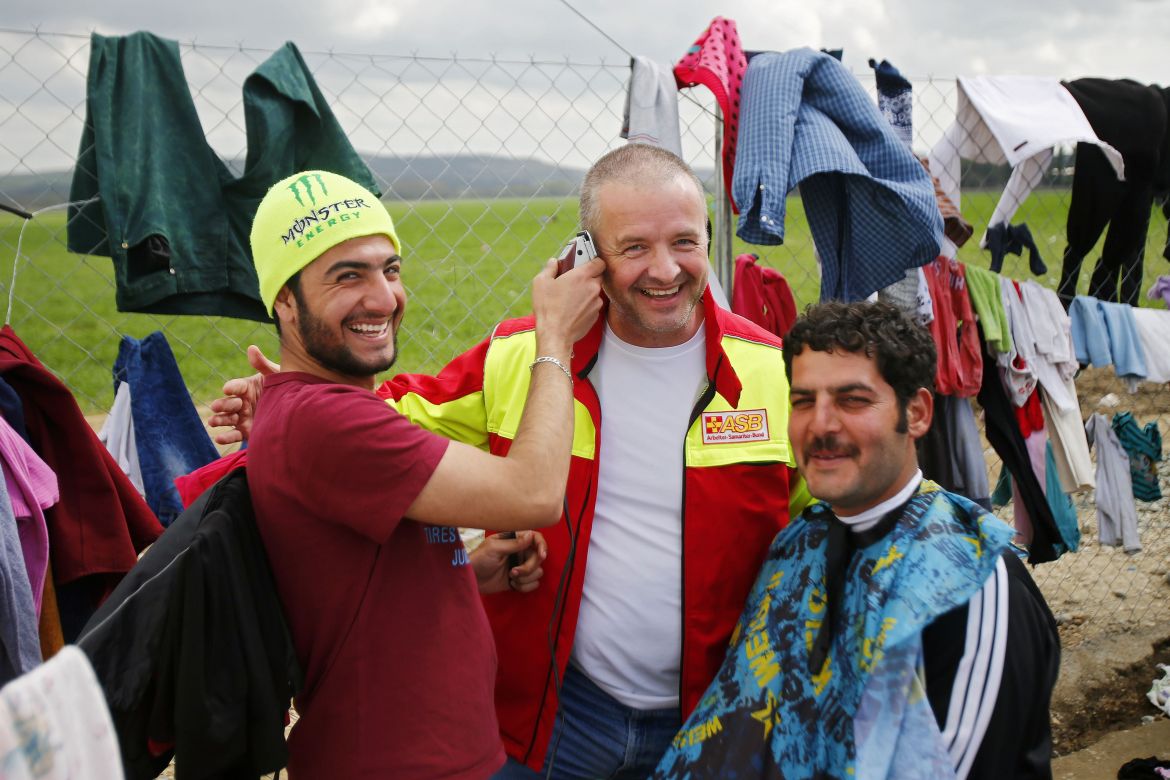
point(402, 178)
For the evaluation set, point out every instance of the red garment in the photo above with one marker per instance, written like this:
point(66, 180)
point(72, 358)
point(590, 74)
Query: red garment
point(1030, 416)
point(398, 659)
point(960, 361)
point(192, 485)
point(735, 500)
point(762, 295)
point(716, 60)
point(101, 523)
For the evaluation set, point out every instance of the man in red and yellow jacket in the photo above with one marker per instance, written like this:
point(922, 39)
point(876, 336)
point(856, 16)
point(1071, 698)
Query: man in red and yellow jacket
point(679, 480)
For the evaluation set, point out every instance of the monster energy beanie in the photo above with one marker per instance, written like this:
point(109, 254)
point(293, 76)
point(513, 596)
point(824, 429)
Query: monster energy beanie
point(305, 215)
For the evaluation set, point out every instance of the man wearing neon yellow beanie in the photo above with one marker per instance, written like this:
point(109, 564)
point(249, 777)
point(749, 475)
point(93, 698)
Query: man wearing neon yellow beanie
point(357, 506)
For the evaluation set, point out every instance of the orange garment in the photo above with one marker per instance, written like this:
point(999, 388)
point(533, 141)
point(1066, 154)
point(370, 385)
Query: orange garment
point(52, 638)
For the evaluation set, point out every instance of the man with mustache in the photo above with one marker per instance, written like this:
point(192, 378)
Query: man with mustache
point(893, 631)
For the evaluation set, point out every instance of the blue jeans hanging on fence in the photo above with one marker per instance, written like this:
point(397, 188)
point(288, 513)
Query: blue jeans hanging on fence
point(171, 438)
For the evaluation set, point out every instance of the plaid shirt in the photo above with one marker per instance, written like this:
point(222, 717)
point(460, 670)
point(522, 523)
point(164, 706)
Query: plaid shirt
point(804, 114)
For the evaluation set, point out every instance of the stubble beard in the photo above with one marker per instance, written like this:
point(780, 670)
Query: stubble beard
point(315, 335)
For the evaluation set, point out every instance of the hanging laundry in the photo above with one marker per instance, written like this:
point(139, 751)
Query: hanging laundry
point(20, 647)
point(1004, 239)
point(170, 437)
point(32, 488)
point(1160, 289)
point(52, 635)
point(951, 452)
point(1035, 442)
point(1052, 357)
point(1132, 118)
point(1005, 438)
point(54, 724)
point(911, 294)
point(1153, 331)
point(895, 99)
point(1116, 511)
point(101, 523)
point(807, 121)
point(219, 706)
point(1064, 512)
point(1016, 371)
point(1106, 334)
point(716, 60)
point(762, 295)
point(1015, 120)
point(1129, 359)
point(651, 111)
point(987, 300)
point(956, 229)
point(959, 369)
point(1144, 447)
point(896, 102)
point(12, 409)
point(170, 214)
point(117, 434)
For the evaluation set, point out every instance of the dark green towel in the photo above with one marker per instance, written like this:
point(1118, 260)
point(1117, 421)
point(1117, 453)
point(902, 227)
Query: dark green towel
point(170, 215)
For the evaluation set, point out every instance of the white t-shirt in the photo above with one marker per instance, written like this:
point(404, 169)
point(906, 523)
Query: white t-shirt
point(629, 629)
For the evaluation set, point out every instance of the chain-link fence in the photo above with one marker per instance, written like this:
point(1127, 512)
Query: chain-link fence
point(479, 160)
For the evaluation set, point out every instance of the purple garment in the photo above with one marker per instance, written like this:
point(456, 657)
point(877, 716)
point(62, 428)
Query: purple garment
point(32, 488)
point(1161, 289)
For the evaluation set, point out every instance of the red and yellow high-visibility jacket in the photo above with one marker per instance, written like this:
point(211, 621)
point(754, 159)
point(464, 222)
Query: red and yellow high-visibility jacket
point(735, 499)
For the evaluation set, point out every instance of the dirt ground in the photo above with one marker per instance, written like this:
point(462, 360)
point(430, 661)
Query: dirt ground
point(1103, 758)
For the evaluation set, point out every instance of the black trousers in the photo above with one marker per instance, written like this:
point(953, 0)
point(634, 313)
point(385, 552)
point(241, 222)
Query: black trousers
point(1099, 199)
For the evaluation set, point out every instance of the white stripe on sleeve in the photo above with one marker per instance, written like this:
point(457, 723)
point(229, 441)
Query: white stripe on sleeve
point(977, 678)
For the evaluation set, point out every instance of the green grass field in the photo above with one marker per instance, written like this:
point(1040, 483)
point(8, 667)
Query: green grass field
point(468, 264)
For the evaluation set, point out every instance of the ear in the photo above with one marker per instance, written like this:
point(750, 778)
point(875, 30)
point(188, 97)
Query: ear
point(284, 307)
point(919, 413)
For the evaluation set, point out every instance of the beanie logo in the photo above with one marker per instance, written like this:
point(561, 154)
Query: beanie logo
point(307, 182)
point(322, 214)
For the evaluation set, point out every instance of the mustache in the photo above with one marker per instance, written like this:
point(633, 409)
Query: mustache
point(829, 445)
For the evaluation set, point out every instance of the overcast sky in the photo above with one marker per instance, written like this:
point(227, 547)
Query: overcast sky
point(1065, 38)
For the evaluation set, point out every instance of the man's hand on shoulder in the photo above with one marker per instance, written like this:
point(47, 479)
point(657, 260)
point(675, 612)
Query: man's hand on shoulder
point(489, 561)
point(235, 410)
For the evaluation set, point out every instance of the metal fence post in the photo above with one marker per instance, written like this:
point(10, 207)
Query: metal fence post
point(721, 238)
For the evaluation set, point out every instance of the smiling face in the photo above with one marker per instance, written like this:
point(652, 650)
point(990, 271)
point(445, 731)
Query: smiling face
point(854, 441)
point(342, 322)
point(653, 239)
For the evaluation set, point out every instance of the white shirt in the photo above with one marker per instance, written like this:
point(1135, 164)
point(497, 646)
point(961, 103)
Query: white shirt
point(629, 628)
point(868, 518)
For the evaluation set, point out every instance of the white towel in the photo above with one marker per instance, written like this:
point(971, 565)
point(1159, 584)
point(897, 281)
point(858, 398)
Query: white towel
point(651, 113)
point(54, 724)
point(1012, 119)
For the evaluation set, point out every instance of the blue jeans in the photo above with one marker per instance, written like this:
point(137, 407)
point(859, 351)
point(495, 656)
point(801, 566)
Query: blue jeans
point(170, 437)
point(599, 737)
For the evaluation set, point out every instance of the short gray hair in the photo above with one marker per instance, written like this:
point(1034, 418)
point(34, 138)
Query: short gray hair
point(637, 164)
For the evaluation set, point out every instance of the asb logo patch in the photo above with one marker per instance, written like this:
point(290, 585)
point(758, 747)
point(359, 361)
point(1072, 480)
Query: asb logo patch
point(736, 426)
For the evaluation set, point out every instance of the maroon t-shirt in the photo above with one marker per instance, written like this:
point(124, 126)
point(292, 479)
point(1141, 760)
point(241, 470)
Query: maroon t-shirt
point(398, 656)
